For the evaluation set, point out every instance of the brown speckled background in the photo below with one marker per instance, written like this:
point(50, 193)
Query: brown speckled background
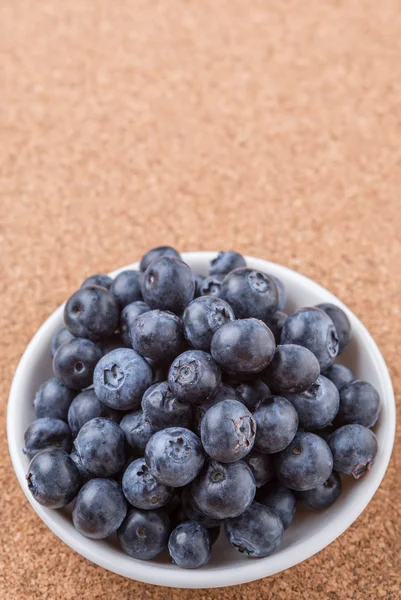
point(269, 127)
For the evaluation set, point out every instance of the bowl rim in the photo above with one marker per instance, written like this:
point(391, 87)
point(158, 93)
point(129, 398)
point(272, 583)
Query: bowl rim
point(156, 573)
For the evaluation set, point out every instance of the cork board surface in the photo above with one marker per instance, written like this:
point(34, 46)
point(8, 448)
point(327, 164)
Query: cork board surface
point(270, 127)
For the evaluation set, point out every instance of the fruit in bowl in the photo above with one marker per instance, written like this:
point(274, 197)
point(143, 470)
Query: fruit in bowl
point(207, 395)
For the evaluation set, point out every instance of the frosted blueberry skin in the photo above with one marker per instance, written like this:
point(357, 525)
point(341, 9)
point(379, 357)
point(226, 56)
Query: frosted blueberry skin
point(158, 335)
point(52, 478)
point(100, 445)
point(275, 323)
point(341, 323)
point(137, 431)
point(202, 318)
point(194, 376)
point(47, 433)
point(359, 403)
point(126, 287)
point(91, 313)
point(121, 378)
point(85, 475)
point(339, 375)
point(228, 431)
point(250, 293)
point(224, 490)
point(244, 347)
point(198, 284)
point(223, 392)
point(127, 317)
point(99, 279)
point(189, 545)
point(323, 496)
point(354, 448)
point(87, 406)
point(211, 286)
point(262, 467)
point(225, 262)
point(162, 409)
point(53, 399)
point(99, 509)
point(257, 532)
point(252, 392)
point(75, 361)
point(60, 338)
point(293, 369)
point(281, 500)
point(141, 489)
point(174, 456)
point(144, 533)
point(168, 284)
point(306, 463)
point(312, 328)
point(154, 253)
point(318, 405)
point(276, 424)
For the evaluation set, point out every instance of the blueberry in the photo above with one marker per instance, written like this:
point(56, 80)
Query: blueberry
point(257, 532)
point(91, 313)
point(252, 392)
point(99, 509)
point(155, 253)
point(276, 424)
point(198, 284)
point(223, 490)
point(341, 324)
point(174, 456)
point(250, 293)
point(100, 445)
point(275, 323)
point(228, 431)
point(306, 463)
point(194, 376)
point(281, 500)
point(75, 361)
point(53, 479)
point(192, 513)
point(162, 409)
point(141, 489)
point(85, 475)
point(339, 375)
point(128, 315)
point(144, 533)
point(53, 399)
point(126, 287)
point(359, 403)
point(47, 433)
point(59, 338)
point(137, 431)
point(158, 334)
point(223, 392)
point(323, 495)
point(293, 369)
point(85, 407)
point(121, 378)
point(313, 329)
point(225, 262)
point(211, 286)
point(189, 545)
point(282, 292)
point(244, 346)
point(318, 405)
point(99, 279)
point(262, 467)
point(202, 318)
point(354, 448)
point(168, 284)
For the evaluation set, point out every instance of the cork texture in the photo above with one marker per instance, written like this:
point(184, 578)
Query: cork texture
point(270, 127)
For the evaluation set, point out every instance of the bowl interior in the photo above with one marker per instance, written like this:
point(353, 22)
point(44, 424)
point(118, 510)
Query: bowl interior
point(309, 533)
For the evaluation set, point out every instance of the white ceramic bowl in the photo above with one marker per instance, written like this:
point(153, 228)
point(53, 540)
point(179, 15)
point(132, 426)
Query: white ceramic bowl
point(309, 533)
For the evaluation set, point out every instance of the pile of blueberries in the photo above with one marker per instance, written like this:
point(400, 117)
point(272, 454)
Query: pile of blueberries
point(181, 403)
